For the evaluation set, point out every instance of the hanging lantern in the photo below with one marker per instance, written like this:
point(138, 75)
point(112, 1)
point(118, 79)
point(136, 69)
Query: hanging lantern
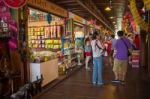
point(15, 4)
point(49, 18)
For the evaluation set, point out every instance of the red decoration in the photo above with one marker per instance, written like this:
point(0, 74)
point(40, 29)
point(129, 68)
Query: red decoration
point(12, 44)
point(15, 3)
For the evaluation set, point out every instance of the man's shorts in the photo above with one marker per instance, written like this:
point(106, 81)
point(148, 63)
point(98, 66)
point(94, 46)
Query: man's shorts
point(120, 66)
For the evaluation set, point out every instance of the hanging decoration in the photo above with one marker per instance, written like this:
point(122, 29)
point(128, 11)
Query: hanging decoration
point(147, 4)
point(7, 18)
point(13, 13)
point(137, 17)
point(12, 43)
point(15, 4)
point(128, 23)
point(49, 18)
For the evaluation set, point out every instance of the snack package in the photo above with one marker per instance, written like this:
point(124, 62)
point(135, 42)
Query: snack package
point(47, 30)
point(51, 41)
point(65, 45)
point(59, 41)
point(33, 41)
point(38, 33)
point(51, 30)
point(58, 31)
point(55, 32)
point(42, 29)
point(41, 33)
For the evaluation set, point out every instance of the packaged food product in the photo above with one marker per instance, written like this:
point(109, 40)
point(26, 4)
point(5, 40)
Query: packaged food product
point(58, 31)
point(39, 33)
point(33, 41)
point(42, 28)
point(55, 31)
point(59, 41)
point(52, 31)
point(46, 32)
point(43, 45)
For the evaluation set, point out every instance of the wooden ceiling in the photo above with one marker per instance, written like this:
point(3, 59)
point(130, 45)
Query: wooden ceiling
point(73, 6)
point(118, 7)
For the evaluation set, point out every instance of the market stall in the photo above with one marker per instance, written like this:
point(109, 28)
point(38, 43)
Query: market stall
point(10, 61)
point(79, 42)
point(79, 32)
point(45, 32)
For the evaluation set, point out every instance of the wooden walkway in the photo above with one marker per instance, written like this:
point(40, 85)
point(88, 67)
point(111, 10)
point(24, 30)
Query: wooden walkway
point(79, 86)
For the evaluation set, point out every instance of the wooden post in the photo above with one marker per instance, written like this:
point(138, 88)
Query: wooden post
point(143, 47)
point(149, 44)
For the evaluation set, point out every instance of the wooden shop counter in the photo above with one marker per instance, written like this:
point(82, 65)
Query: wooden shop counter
point(48, 69)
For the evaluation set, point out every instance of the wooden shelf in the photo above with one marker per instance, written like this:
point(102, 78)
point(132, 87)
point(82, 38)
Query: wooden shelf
point(53, 38)
point(48, 49)
point(47, 39)
point(75, 64)
point(73, 58)
point(68, 48)
point(69, 59)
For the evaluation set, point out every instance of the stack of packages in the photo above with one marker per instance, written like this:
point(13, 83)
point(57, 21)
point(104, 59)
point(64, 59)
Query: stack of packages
point(135, 58)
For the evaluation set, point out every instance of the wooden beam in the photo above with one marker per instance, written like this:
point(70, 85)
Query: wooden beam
point(113, 4)
point(72, 4)
point(65, 1)
point(148, 44)
point(91, 8)
point(76, 8)
point(78, 11)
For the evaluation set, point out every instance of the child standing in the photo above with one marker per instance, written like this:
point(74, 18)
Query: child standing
point(88, 50)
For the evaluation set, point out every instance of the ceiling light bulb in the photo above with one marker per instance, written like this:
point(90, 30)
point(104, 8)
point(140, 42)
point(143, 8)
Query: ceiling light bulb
point(107, 9)
point(114, 22)
point(111, 17)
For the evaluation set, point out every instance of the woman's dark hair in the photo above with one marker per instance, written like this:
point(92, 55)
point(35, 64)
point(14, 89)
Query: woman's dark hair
point(95, 34)
point(120, 33)
point(113, 36)
point(136, 36)
point(90, 34)
point(87, 39)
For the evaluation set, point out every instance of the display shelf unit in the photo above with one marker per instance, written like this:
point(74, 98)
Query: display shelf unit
point(45, 37)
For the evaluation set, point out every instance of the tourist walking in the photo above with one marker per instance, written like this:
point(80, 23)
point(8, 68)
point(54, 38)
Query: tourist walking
point(88, 50)
point(121, 57)
point(113, 42)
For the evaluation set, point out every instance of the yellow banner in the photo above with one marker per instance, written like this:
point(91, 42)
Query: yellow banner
point(147, 4)
point(137, 17)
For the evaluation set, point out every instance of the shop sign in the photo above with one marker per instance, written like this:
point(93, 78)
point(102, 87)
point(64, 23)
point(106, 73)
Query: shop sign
point(15, 3)
point(77, 18)
point(48, 6)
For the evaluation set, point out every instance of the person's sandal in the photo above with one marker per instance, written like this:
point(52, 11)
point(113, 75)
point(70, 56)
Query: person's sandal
point(115, 81)
point(123, 82)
